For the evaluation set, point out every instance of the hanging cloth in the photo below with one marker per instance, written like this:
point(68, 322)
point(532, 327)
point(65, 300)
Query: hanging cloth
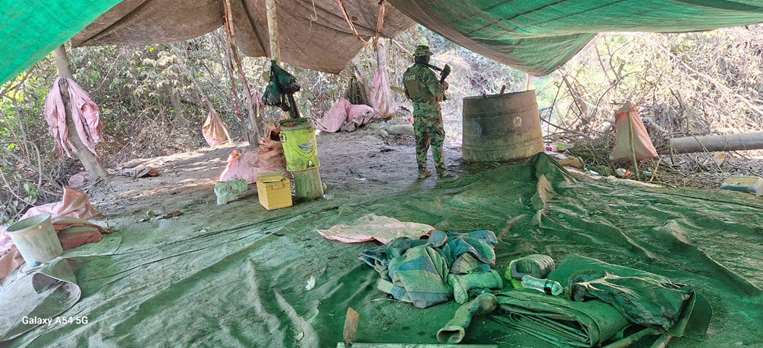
point(380, 96)
point(85, 115)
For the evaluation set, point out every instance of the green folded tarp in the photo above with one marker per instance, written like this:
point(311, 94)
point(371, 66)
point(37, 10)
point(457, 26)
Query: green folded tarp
point(642, 297)
point(540, 35)
point(558, 320)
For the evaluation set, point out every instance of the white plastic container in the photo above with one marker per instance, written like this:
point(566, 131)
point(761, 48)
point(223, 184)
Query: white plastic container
point(36, 239)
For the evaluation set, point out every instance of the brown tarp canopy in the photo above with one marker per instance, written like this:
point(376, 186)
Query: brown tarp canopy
point(312, 33)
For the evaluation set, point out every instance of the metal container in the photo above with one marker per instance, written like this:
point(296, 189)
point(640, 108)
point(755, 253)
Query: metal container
point(36, 239)
point(501, 127)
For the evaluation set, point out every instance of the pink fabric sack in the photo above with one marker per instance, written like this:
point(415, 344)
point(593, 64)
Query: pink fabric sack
point(214, 130)
point(69, 218)
point(268, 158)
point(334, 119)
point(642, 144)
point(346, 116)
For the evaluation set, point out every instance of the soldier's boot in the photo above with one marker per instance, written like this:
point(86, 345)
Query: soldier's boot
point(461, 283)
point(443, 173)
point(424, 173)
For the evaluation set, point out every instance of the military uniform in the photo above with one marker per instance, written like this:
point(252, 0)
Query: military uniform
point(425, 90)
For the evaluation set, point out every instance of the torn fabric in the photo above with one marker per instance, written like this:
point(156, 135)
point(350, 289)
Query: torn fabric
point(85, 115)
point(371, 227)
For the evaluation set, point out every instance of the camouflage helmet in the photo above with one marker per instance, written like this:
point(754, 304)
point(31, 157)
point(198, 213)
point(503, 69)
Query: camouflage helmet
point(422, 50)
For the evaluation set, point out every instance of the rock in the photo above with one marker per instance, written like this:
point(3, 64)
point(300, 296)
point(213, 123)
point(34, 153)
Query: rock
point(399, 129)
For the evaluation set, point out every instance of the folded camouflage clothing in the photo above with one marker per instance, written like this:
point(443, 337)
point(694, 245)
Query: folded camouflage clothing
point(417, 271)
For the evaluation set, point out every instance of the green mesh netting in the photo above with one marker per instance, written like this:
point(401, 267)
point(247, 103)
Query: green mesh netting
point(32, 28)
point(540, 35)
point(238, 275)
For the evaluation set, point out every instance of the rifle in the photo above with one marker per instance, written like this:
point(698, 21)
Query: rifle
point(444, 73)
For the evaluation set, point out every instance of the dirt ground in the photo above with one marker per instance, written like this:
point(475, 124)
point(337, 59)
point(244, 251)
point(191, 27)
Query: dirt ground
point(360, 163)
point(352, 164)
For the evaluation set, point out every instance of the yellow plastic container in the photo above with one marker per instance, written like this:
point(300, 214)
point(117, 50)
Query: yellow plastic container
point(274, 191)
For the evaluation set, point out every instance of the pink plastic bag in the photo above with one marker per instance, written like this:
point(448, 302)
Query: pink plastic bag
point(73, 204)
point(346, 116)
point(642, 144)
point(84, 112)
point(268, 158)
point(359, 115)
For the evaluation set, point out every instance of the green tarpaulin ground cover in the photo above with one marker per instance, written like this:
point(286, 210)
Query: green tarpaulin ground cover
point(236, 275)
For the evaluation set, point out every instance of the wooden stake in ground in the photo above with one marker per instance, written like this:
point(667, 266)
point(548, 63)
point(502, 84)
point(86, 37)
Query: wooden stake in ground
point(633, 147)
point(88, 159)
point(230, 36)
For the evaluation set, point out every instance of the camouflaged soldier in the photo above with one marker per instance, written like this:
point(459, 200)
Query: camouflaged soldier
point(425, 90)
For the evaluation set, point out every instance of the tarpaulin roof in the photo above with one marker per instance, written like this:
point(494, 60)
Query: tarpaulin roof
point(533, 35)
point(32, 28)
point(312, 33)
point(540, 35)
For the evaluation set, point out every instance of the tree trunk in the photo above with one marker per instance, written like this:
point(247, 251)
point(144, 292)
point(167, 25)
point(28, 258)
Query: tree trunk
point(88, 159)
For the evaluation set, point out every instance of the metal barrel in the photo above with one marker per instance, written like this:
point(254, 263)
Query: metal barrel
point(501, 127)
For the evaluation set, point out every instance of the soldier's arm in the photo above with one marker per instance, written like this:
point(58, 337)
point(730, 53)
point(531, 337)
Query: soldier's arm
point(434, 85)
point(405, 88)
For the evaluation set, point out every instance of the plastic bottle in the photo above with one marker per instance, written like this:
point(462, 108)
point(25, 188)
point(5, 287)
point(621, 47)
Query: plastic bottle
point(547, 286)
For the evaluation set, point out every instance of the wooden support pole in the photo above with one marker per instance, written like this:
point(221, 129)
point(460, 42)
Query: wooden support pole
point(88, 159)
point(272, 15)
point(230, 31)
point(529, 82)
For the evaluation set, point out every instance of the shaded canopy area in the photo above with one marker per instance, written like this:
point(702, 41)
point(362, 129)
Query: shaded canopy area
point(313, 34)
point(539, 36)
